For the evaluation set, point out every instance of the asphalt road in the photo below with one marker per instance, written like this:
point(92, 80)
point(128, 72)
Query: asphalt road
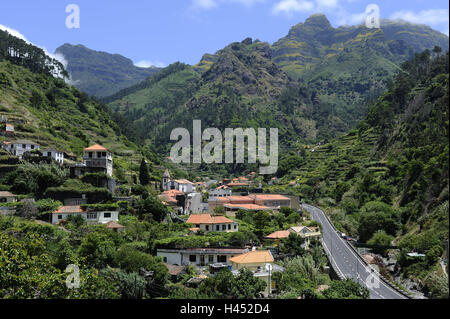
point(345, 261)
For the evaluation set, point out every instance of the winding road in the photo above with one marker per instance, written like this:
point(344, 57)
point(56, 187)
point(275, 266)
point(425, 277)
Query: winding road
point(346, 262)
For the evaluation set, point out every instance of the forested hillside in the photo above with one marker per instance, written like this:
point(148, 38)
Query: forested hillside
point(101, 74)
point(314, 84)
point(387, 180)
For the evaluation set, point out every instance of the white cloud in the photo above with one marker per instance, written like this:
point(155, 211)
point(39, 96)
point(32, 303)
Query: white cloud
point(327, 3)
point(204, 4)
point(147, 64)
point(345, 18)
point(289, 6)
point(432, 17)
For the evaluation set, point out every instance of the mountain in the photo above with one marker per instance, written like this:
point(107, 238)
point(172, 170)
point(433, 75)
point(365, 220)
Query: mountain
point(44, 109)
point(349, 67)
point(389, 174)
point(99, 73)
point(314, 84)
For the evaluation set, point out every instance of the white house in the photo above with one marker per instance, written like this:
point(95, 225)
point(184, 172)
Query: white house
point(221, 191)
point(91, 217)
point(19, 147)
point(57, 156)
point(199, 256)
point(194, 203)
point(209, 223)
point(7, 197)
point(99, 156)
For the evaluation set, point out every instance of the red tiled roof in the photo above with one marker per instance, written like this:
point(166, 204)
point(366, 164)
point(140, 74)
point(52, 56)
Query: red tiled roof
point(279, 234)
point(96, 147)
point(208, 219)
point(68, 210)
point(269, 197)
point(247, 206)
point(257, 256)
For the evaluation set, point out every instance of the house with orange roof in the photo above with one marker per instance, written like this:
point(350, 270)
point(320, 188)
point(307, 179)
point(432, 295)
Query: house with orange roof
point(307, 233)
point(211, 223)
point(98, 157)
point(260, 263)
point(280, 234)
point(274, 201)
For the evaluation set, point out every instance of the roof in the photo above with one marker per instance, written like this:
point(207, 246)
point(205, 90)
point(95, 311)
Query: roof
point(253, 257)
point(236, 200)
point(96, 147)
point(68, 210)
point(174, 270)
point(237, 184)
point(279, 234)
point(183, 181)
point(166, 173)
point(209, 250)
point(269, 197)
point(7, 194)
point(114, 225)
point(21, 142)
point(208, 219)
point(247, 206)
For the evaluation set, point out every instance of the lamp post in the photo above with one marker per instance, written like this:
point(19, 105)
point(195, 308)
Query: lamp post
point(269, 268)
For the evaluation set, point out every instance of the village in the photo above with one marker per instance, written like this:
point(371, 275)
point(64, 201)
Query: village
point(206, 206)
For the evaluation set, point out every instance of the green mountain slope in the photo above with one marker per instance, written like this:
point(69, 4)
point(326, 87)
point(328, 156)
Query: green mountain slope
point(46, 110)
point(342, 72)
point(390, 174)
point(99, 73)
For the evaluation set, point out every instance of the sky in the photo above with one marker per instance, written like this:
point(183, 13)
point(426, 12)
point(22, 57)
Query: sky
point(152, 32)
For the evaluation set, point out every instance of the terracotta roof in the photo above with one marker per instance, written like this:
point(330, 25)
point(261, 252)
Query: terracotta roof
point(114, 225)
point(174, 270)
point(257, 256)
point(7, 194)
point(208, 219)
point(68, 210)
point(183, 181)
point(96, 147)
point(247, 206)
point(269, 197)
point(237, 184)
point(237, 200)
point(279, 234)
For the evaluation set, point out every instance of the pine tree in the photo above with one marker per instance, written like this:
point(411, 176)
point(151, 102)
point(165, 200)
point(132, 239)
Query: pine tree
point(144, 176)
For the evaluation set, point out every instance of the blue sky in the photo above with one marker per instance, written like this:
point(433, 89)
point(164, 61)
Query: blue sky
point(162, 32)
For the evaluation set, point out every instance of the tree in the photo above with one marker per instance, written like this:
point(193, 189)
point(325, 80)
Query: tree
point(380, 238)
point(152, 208)
point(346, 289)
point(144, 176)
point(247, 286)
point(27, 209)
point(98, 250)
point(293, 245)
point(261, 219)
point(219, 210)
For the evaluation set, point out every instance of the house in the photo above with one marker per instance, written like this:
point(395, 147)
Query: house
point(199, 256)
point(276, 236)
point(115, 226)
point(207, 223)
point(97, 156)
point(70, 156)
point(175, 271)
point(221, 191)
point(175, 199)
point(19, 147)
point(7, 197)
point(222, 201)
point(91, 216)
point(57, 156)
point(260, 263)
point(194, 203)
point(307, 233)
point(273, 201)
point(8, 129)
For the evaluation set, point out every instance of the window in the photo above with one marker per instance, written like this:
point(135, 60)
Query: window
point(59, 216)
point(92, 216)
point(235, 226)
point(229, 226)
point(210, 259)
point(32, 147)
point(224, 227)
point(99, 155)
point(165, 259)
point(3, 200)
point(222, 259)
point(90, 154)
point(107, 215)
point(104, 154)
point(207, 228)
point(192, 258)
point(217, 227)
